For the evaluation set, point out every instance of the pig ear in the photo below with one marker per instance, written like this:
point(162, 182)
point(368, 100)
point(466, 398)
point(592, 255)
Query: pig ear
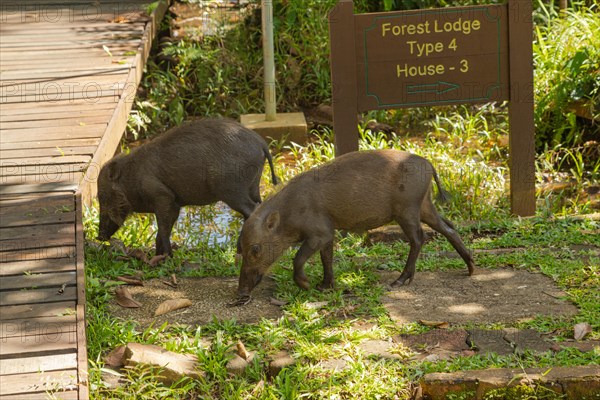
point(114, 171)
point(272, 221)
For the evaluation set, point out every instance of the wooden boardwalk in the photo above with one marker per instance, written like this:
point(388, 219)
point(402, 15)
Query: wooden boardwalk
point(69, 70)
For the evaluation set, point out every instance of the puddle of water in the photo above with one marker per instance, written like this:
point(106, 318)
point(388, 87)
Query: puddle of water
point(206, 18)
point(215, 225)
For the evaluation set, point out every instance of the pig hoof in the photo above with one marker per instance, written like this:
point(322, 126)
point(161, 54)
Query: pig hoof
point(401, 281)
point(241, 301)
point(325, 286)
point(303, 283)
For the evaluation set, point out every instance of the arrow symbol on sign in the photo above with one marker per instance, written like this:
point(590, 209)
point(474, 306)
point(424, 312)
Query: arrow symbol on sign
point(438, 88)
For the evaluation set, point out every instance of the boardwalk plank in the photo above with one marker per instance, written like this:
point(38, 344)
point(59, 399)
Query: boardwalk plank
point(14, 220)
point(37, 266)
point(29, 254)
point(53, 133)
point(34, 326)
point(55, 114)
point(41, 232)
point(39, 144)
point(34, 281)
point(42, 363)
point(37, 204)
point(36, 296)
point(38, 382)
point(48, 139)
point(15, 312)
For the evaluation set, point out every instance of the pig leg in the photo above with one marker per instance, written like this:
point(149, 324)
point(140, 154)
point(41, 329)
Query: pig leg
point(327, 261)
point(165, 220)
point(414, 232)
point(303, 254)
point(431, 217)
point(244, 207)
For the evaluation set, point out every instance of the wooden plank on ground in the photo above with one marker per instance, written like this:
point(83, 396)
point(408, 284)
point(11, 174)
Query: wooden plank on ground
point(54, 114)
point(56, 325)
point(41, 144)
point(52, 395)
point(54, 133)
point(37, 266)
point(41, 363)
point(57, 151)
point(36, 296)
point(38, 310)
point(28, 254)
point(38, 382)
point(35, 281)
point(38, 204)
point(68, 176)
point(15, 219)
point(58, 105)
point(63, 231)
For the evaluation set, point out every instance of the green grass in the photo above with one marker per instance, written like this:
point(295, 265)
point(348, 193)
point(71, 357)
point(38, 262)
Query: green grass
point(468, 147)
point(316, 334)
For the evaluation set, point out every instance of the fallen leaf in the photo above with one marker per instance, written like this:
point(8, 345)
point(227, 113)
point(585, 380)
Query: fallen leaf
point(130, 280)
point(171, 305)
point(435, 324)
point(116, 244)
point(581, 330)
point(154, 261)
point(174, 279)
point(277, 302)
point(241, 301)
point(124, 298)
point(316, 304)
point(114, 359)
point(241, 350)
point(138, 254)
point(168, 283)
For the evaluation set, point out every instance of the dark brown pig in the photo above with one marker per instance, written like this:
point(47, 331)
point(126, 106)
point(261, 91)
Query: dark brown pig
point(197, 163)
point(355, 192)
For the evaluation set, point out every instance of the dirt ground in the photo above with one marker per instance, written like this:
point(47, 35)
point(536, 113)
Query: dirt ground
point(209, 296)
point(490, 296)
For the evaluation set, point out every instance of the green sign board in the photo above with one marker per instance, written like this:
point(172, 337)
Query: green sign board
point(429, 57)
point(453, 55)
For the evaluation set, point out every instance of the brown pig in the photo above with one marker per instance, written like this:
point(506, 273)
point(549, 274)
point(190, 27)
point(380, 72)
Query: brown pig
point(197, 163)
point(355, 192)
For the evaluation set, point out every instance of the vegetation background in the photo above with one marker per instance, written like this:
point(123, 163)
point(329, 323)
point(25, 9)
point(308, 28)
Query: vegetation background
point(221, 74)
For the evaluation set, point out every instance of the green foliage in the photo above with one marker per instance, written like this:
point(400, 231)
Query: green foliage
point(567, 61)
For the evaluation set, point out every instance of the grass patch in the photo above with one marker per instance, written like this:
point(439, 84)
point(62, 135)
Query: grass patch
point(467, 145)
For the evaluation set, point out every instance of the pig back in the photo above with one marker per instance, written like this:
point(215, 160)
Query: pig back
point(203, 161)
point(364, 190)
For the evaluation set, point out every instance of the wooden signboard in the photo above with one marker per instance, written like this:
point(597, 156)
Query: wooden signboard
point(454, 55)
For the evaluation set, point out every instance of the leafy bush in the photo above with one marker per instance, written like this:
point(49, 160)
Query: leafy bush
point(567, 77)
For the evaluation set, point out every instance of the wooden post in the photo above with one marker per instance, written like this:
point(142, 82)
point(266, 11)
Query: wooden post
point(520, 112)
point(343, 77)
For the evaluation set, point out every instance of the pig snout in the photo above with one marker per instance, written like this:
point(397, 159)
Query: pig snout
point(107, 228)
point(248, 281)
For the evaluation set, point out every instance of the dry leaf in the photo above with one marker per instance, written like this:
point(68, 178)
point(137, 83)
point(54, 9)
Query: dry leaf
point(154, 261)
point(114, 359)
point(581, 330)
point(168, 283)
point(124, 298)
point(171, 305)
point(277, 302)
point(435, 324)
point(241, 301)
point(130, 280)
point(138, 254)
point(118, 245)
point(241, 350)
point(174, 279)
